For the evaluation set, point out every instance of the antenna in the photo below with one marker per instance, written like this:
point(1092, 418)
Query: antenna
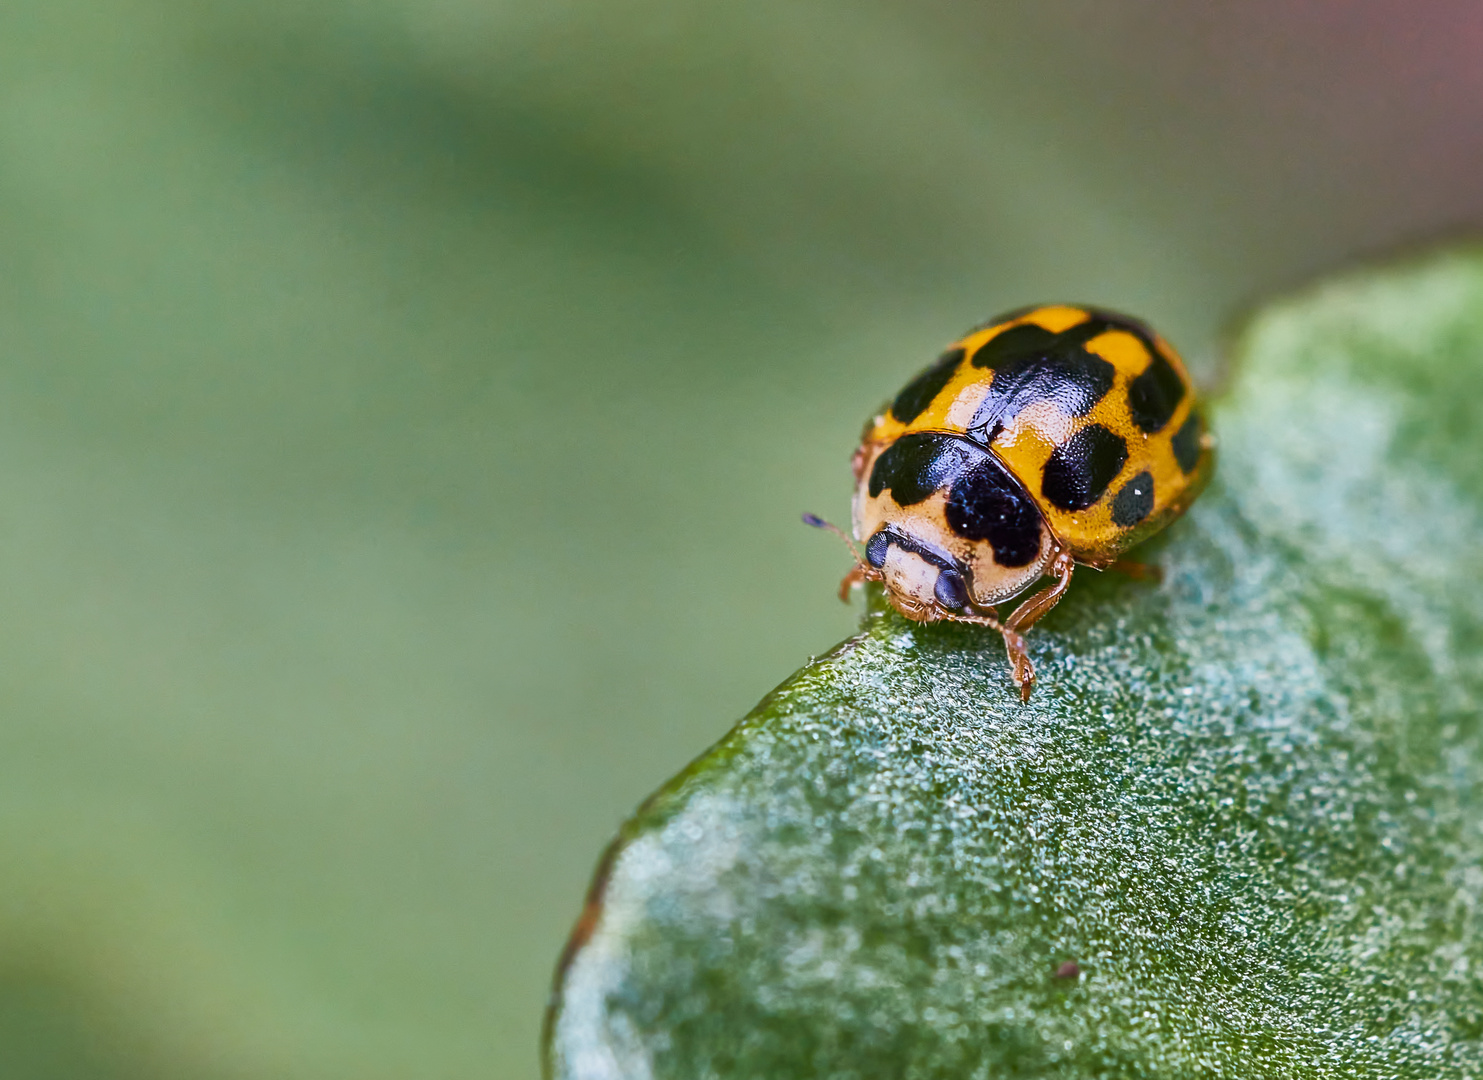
point(819, 523)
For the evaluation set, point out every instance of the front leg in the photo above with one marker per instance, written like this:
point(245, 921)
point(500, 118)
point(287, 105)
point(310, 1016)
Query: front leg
point(1027, 615)
point(857, 576)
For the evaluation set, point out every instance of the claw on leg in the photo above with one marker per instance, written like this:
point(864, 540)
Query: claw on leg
point(1021, 670)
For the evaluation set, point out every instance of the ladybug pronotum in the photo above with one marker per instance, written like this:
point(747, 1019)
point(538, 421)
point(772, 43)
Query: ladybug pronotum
point(1052, 436)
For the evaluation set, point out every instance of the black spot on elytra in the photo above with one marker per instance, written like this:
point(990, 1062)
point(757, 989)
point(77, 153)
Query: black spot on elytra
point(1186, 443)
point(986, 503)
point(1154, 395)
point(918, 393)
point(1030, 339)
point(1080, 469)
point(1073, 381)
point(951, 590)
point(1134, 501)
point(921, 462)
point(1031, 364)
point(1026, 339)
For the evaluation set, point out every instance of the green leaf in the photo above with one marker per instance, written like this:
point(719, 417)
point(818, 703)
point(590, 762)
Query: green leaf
point(1242, 803)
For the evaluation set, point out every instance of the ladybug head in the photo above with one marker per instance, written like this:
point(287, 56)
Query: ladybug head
point(922, 581)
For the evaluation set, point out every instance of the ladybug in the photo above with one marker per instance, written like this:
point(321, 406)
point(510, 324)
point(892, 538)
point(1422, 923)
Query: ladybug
point(1049, 437)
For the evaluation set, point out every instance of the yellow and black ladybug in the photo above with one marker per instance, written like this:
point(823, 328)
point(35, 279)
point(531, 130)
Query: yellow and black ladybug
point(1052, 436)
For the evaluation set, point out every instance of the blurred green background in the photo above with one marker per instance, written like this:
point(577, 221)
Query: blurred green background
point(406, 407)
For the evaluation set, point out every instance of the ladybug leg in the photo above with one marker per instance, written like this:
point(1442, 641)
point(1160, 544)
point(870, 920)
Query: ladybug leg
point(1033, 609)
point(1139, 571)
point(858, 575)
point(1026, 616)
point(1020, 668)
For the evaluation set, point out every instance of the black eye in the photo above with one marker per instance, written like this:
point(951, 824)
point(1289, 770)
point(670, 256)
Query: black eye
point(952, 592)
point(875, 551)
